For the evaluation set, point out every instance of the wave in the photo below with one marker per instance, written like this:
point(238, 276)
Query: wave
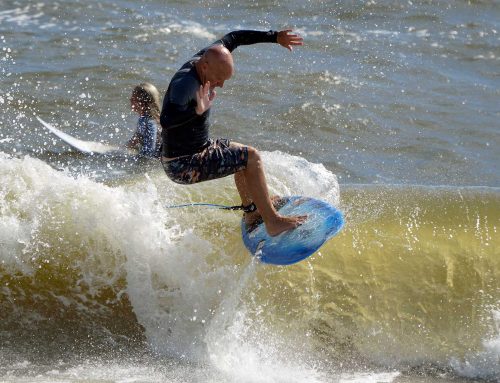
point(412, 280)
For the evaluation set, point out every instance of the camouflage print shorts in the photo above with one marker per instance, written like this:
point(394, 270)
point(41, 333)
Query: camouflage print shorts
point(218, 159)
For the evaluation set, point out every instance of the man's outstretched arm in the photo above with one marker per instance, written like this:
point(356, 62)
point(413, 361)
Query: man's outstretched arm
point(236, 38)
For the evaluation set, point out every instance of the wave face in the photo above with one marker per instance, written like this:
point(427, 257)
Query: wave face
point(411, 281)
point(416, 275)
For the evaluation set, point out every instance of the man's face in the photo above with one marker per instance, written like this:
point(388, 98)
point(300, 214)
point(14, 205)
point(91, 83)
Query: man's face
point(219, 74)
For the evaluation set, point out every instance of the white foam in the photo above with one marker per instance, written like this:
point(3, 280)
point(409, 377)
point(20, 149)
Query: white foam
point(117, 230)
point(379, 32)
point(115, 371)
point(293, 175)
point(22, 16)
point(486, 363)
point(245, 350)
point(369, 377)
point(304, 32)
point(184, 27)
point(330, 78)
point(177, 276)
point(18, 222)
point(190, 28)
point(177, 310)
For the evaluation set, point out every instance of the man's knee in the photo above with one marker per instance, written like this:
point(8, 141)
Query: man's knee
point(253, 156)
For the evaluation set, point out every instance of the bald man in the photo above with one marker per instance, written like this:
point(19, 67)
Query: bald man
point(190, 156)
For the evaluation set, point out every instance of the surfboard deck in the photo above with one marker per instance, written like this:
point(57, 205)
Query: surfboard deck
point(85, 146)
point(323, 222)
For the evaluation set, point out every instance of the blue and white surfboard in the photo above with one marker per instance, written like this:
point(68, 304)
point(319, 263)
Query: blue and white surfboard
point(323, 222)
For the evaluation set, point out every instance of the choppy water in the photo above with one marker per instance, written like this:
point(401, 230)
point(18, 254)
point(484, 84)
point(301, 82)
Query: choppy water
point(100, 282)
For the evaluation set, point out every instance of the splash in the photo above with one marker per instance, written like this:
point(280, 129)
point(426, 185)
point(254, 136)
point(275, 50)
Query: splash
point(76, 254)
point(486, 363)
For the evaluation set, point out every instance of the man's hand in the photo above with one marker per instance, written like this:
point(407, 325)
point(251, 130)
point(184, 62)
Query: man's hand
point(287, 40)
point(204, 98)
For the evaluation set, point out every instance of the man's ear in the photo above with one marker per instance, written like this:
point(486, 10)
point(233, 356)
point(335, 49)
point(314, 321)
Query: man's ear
point(204, 67)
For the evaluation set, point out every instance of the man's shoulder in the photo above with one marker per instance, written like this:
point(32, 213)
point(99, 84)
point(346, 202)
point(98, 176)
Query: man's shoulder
point(185, 81)
point(185, 77)
point(187, 73)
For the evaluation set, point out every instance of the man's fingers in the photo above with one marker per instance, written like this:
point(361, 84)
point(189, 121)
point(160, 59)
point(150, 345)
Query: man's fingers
point(295, 39)
point(204, 90)
point(212, 95)
point(289, 40)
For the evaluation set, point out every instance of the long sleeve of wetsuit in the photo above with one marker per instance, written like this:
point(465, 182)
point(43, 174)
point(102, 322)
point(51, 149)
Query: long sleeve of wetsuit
point(236, 38)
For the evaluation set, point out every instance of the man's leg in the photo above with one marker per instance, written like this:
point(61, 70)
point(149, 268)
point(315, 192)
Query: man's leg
point(252, 186)
point(241, 185)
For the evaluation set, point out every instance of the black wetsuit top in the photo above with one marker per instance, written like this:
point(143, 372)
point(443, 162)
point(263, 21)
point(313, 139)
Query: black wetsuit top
point(184, 132)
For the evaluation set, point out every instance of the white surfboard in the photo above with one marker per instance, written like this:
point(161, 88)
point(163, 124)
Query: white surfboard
point(85, 146)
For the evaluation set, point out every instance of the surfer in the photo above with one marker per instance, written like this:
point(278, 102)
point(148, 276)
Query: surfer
point(145, 101)
point(190, 156)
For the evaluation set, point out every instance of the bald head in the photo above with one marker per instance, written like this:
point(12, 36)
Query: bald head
point(216, 65)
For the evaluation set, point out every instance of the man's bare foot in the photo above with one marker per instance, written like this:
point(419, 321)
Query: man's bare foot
point(279, 224)
point(254, 218)
point(282, 224)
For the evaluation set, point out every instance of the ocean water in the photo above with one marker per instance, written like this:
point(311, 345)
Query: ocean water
point(389, 111)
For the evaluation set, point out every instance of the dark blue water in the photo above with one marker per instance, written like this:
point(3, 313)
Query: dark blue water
point(381, 92)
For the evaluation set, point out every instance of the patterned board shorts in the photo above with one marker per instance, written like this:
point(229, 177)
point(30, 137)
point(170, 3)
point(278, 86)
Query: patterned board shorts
point(219, 159)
